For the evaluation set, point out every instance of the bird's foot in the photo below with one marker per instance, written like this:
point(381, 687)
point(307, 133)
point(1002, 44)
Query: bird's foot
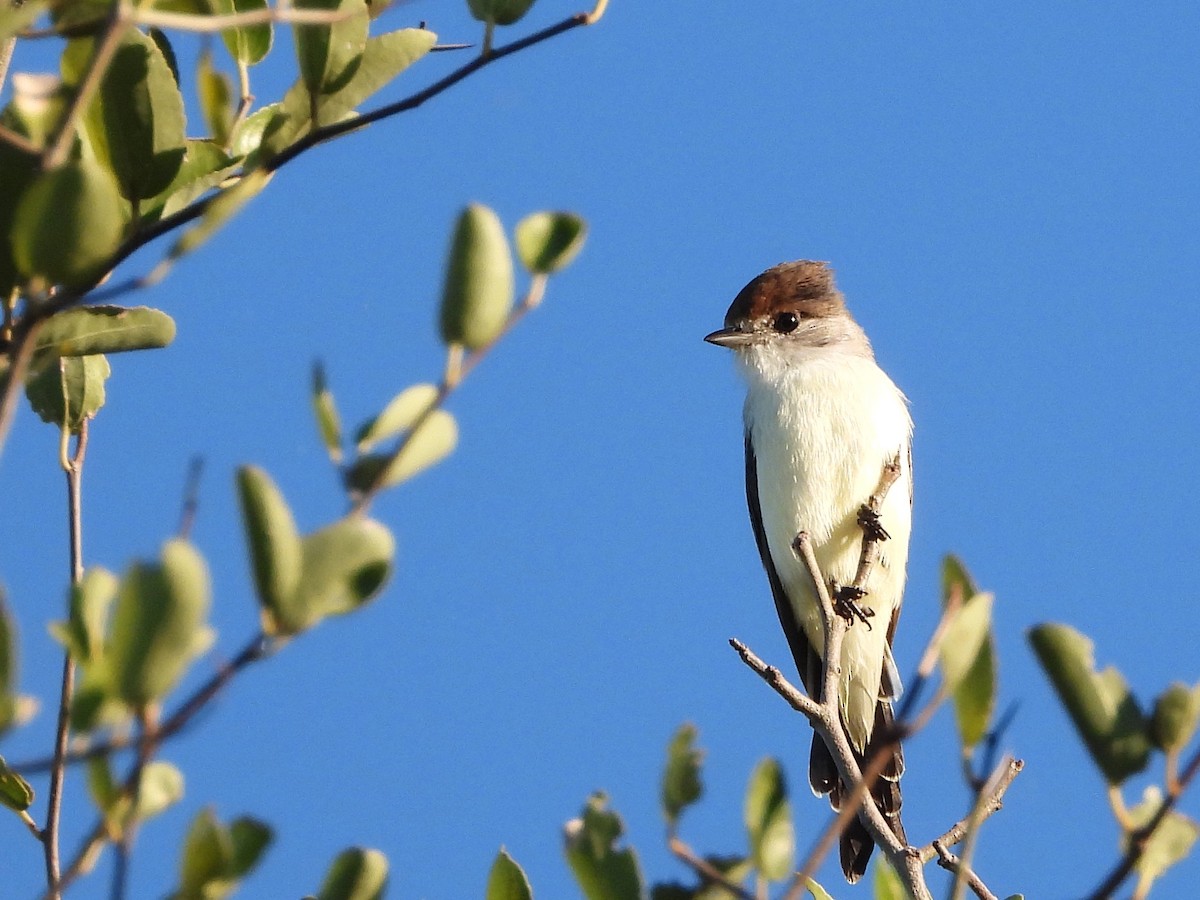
point(846, 605)
point(872, 527)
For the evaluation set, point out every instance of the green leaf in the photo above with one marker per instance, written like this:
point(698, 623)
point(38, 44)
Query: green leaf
point(345, 565)
point(159, 624)
point(223, 207)
point(1170, 843)
point(819, 893)
point(399, 415)
point(549, 241)
point(15, 791)
point(206, 165)
point(250, 839)
point(507, 880)
point(161, 788)
point(500, 12)
point(956, 578)
point(88, 330)
point(384, 58)
point(215, 91)
point(136, 121)
point(248, 44)
point(67, 224)
point(603, 870)
point(429, 445)
point(887, 883)
point(964, 637)
point(329, 423)
point(91, 599)
point(974, 688)
point(248, 133)
point(1176, 713)
point(356, 874)
point(769, 822)
point(1104, 711)
point(67, 391)
point(478, 294)
point(17, 172)
point(103, 787)
point(207, 855)
point(329, 55)
point(17, 18)
point(15, 710)
point(681, 785)
point(276, 556)
point(39, 102)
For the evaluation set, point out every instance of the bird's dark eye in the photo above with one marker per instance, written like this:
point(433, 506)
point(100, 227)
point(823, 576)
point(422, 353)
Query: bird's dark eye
point(786, 322)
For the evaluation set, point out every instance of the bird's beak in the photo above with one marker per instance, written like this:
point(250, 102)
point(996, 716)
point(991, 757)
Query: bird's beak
point(730, 337)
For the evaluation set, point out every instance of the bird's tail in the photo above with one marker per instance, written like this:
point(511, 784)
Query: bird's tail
point(855, 844)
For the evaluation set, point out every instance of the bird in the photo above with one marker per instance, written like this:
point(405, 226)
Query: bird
point(822, 420)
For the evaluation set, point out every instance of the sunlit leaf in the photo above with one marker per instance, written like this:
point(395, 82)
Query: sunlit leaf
point(355, 874)
point(1176, 713)
point(15, 791)
point(399, 415)
point(549, 241)
point(91, 599)
point(207, 855)
point(248, 44)
point(215, 91)
point(887, 882)
point(276, 556)
point(329, 423)
point(383, 58)
point(15, 710)
point(769, 821)
point(345, 565)
point(500, 12)
point(250, 838)
point(603, 870)
point(87, 330)
point(478, 293)
point(974, 690)
point(681, 784)
point(329, 55)
point(69, 390)
point(964, 637)
point(1170, 843)
point(432, 442)
point(1104, 710)
point(507, 880)
point(161, 788)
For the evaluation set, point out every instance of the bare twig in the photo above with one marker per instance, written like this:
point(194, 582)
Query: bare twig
point(58, 767)
point(18, 140)
point(1000, 782)
point(1139, 839)
point(705, 869)
point(20, 354)
point(952, 863)
point(191, 496)
point(147, 746)
point(795, 697)
point(210, 24)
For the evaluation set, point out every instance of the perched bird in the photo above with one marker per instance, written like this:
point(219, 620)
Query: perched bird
point(822, 420)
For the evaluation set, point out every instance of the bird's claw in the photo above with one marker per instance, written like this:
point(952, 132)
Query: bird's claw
point(846, 605)
point(872, 527)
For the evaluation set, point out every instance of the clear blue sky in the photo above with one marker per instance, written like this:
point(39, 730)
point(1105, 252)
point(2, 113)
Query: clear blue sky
point(1010, 198)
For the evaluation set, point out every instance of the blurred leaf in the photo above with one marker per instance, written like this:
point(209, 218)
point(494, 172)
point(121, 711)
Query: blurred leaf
point(69, 390)
point(681, 785)
point(478, 294)
point(91, 599)
point(819, 893)
point(161, 788)
point(248, 133)
point(17, 172)
point(163, 43)
point(15, 792)
point(329, 55)
point(399, 415)
point(769, 822)
point(159, 624)
point(276, 556)
point(103, 787)
point(251, 43)
point(672, 891)
point(135, 122)
point(207, 856)
point(221, 209)
point(384, 58)
point(429, 445)
point(329, 424)
point(216, 98)
point(250, 838)
point(887, 883)
point(1176, 713)
point(603, 871)
point(356, 874)
point(501, 12)
point(88, 330)
point(345, 565)
point(1170, 843)
point(964, 637)
point(205, 166)
point(955, 577)
point(67, 224)
point(549, 241)
point(18, 18)
point(15, 710)
point(975, 691)
point(39, 101)
point(1104, 711)
point(507, 881)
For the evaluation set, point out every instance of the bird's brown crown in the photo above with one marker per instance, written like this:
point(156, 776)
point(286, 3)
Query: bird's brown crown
point(804, 286)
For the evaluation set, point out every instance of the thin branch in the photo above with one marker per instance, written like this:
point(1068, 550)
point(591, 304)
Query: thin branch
point(210, 24)
point(58, 767)
point(85, 858)
point(952, 863)
point(18, 140)
point(1001, 780)
point(795, 697)
point(147, 746)
point(191, 497)
point(705, 869)
point(454, 377)
point(1140, 839)
point(6, 52)
point(20, 354)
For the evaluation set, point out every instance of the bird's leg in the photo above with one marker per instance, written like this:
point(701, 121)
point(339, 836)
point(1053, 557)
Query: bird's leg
point(845, 603)
point(871, 524)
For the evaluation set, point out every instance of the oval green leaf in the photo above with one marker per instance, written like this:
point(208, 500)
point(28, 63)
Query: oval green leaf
point(399, 415)
point(207, 854)
point(549, 241)
point(964, 637)
point(507, 880)
point(478, 294)
point(248, 44)
point(681, 784)
point(86, 330)
point(329, 423)
point(344, 565)
point(67, 224)
point(603, 869)
point(356, 874)
point(276, 556)
point(161, 788)
point(250, 838)
point(769, 821)
point(15, 792)
point(329, 55)
point(67, 391)
point(500, 12)
point(384, 58)
point(1176, 713)
point(159, 624)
